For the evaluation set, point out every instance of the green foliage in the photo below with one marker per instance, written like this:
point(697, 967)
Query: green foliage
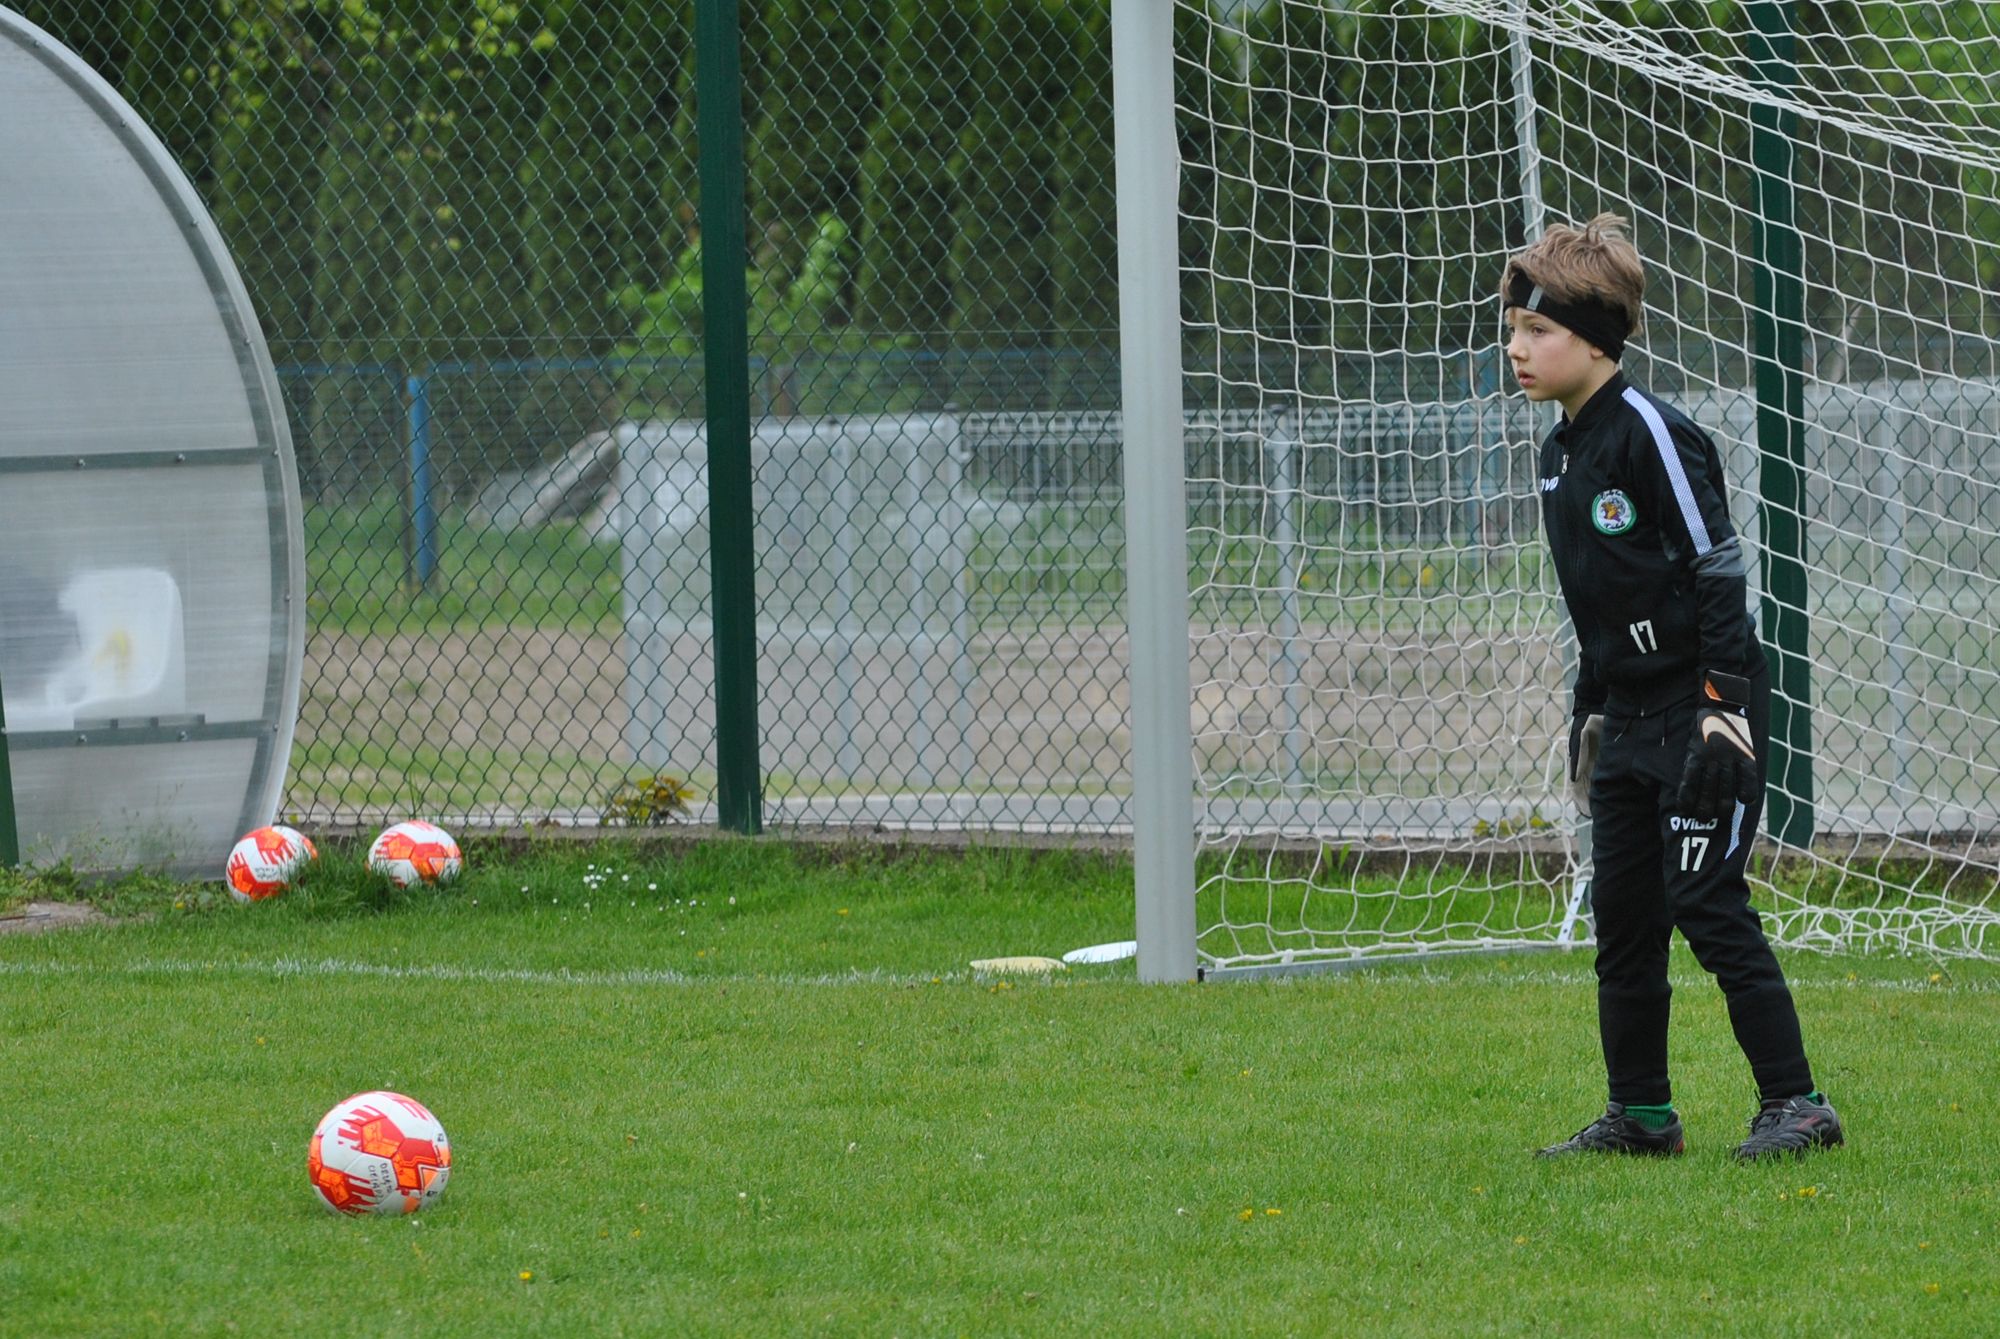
point(908, 186)
point(1513, 825)
point(421, 180)
point(665, 343)
point(814, 68)
point(796, 326)
point(430, 181)
point(648, 801)
point(610, 164)
point(1005, 178)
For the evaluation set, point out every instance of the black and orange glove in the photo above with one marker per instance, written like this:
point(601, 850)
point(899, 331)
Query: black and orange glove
point(1721, 766)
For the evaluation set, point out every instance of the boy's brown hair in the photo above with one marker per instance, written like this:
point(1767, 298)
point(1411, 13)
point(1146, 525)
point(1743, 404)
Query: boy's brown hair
point(1582, 277)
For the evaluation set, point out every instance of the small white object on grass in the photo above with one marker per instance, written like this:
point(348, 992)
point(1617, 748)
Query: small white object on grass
point(1026, 964)
point(1125, 948)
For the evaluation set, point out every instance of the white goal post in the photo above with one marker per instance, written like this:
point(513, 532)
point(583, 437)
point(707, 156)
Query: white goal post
point(1350, 664)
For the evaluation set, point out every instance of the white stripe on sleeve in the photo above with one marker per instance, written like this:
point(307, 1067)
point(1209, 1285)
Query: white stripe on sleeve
point(1670, 457)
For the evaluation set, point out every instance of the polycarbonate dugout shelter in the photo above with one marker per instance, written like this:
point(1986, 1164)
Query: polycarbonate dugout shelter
point(151, 554)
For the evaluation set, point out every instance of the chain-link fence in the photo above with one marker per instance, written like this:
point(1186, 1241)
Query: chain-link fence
point(472, 233)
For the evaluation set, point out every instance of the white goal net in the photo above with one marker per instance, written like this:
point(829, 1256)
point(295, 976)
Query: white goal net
point(1379, 657)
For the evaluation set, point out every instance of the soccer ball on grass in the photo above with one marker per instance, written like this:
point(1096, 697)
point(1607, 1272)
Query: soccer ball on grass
point(378, 1152)
point(415, 852)
point(264, 863)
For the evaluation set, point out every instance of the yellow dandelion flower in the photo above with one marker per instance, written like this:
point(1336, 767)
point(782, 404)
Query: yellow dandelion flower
point(527, 1276)
point(1923, 1246)
point(1272, 1213)
point(1808, 1192)
point(1520, 1241)
point(1246, 1215)
point(841, 912)
point(1936, 977)
point(1931, 1288)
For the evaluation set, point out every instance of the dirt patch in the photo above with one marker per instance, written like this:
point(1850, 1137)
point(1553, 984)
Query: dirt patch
point(36, 917)
point(511, 721)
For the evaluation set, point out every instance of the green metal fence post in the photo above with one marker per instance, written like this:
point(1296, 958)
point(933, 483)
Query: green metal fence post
point(1781, 429)
point(726, 356)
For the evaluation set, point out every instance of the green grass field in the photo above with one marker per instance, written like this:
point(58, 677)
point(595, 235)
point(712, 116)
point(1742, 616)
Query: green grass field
point(749, 1089)
point(552, 576)
point(1056, 563)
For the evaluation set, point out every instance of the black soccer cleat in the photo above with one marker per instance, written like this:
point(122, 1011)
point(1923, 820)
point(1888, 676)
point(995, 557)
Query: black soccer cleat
point(1616, 1132)
point(1790, 1129)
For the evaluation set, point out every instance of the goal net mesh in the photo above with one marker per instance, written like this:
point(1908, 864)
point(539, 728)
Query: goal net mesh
point(1381, 659)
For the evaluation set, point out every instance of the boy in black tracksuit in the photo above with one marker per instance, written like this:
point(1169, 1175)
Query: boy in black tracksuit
point(1671, 716)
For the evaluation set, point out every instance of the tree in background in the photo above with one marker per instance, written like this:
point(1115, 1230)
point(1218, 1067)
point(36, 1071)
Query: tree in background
point(908, 188)
point(1082, 236)
point(801, 348)
point(816, 71)
point(610, 166)
point(416, 183)
point(1004, 202)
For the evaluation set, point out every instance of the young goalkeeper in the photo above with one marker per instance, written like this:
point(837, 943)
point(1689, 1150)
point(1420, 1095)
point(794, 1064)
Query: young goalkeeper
point(1670, 720)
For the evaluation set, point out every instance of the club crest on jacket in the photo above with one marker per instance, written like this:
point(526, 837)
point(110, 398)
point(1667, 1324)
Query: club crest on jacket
point(1612, 512)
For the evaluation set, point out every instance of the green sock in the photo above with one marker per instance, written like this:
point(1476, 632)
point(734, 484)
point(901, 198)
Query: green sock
point(1653, 1118)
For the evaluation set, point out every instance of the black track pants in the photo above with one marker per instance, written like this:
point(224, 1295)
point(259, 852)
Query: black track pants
point(1656, 871)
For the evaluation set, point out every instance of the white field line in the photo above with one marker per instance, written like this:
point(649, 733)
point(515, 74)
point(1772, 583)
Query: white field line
point(282, 968)
point(1391, 975)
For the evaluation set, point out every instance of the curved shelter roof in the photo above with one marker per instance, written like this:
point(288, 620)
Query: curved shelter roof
point(151, 553)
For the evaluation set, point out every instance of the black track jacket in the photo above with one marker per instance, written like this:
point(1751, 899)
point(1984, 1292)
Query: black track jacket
point(1637, 517)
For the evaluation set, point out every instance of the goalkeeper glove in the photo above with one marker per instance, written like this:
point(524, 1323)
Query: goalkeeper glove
point(1722, 758)
point(1586, 733)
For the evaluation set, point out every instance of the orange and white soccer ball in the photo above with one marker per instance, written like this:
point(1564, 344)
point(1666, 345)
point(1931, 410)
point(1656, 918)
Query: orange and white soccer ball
point(379, 1152)
point(415, 852)
point(264, 863)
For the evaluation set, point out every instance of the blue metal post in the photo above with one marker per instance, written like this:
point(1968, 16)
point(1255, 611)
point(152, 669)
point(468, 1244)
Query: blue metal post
point(10, 839)
point(423, 511)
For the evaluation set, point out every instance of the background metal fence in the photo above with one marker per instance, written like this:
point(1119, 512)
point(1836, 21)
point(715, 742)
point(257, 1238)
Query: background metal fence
point(472, 232)
point(473, 236)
